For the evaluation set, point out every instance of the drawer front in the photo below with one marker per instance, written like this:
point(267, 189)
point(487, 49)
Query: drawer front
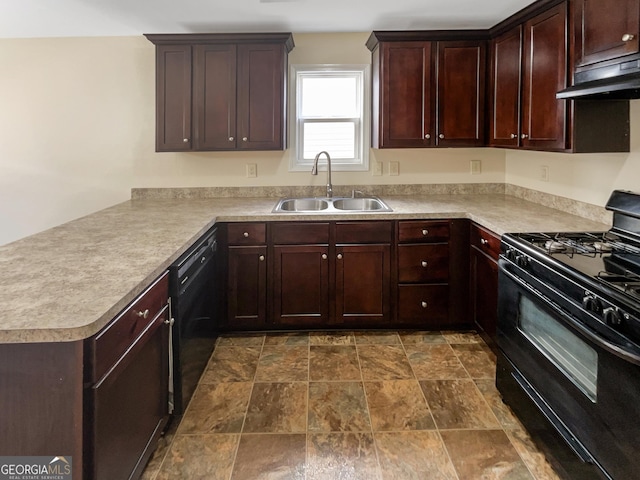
point(114, 340)
point(423, 263)
point(246, 233)
point(364, 232)
point(300, 233)
point(423, 231)
point(424, 304)
point(485, 240)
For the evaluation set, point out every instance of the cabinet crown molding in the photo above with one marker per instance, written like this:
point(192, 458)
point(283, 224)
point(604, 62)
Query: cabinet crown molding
point(285, 38)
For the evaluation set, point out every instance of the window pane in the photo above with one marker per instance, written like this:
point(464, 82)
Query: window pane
point(337, 138)
point(329, 97)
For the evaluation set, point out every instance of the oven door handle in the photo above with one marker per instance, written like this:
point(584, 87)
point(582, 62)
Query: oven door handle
point(618, 350)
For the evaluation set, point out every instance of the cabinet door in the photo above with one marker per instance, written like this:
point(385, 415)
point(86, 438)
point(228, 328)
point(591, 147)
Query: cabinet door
point(215, 97)
point(261, 89)
point(544, 122)
point(605, 29)
point(406, 95)
point(247, 287)
point(484, 291)
point(130, 406)
point(460, 93)
point(301, 286)
point(173, 98)
point(363, 284)
point(506, 64)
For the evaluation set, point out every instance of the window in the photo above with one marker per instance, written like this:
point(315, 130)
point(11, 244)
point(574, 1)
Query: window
point(328, 113)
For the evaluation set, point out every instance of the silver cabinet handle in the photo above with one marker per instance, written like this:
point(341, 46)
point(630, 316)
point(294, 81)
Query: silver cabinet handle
point(484, 241)
point(231, 139)
point(524, 135)
point(144, 314)
point(424, 304)
point(424, 263)
point(170, 321)
point(185, 140)
point(427, 136)
point(245, 234)
point(425, 232)
point(627, 37)
point(324, 256)
point(244, 139)
point(261, 258)
point(514, 135)
point(441, 135)
point(339, 256)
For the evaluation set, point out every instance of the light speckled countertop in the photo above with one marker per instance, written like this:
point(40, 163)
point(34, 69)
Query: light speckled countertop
point(68, 282)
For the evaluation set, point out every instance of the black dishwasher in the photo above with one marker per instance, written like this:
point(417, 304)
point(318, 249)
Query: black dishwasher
point(192, 288)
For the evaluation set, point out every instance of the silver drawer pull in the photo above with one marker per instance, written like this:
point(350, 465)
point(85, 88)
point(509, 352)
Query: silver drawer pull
point(144, 314)
point(261, 258)
point(484, 241)
point(184, 280)
point(245, 234)
point(339, 256)
point(424, 263)
point(425, 232)
point(324, 256)
point(424, 305)
point(170, 321)
point(627, 37)
point(203, 259)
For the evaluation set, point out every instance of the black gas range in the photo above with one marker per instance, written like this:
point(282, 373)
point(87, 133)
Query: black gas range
point(569, 340)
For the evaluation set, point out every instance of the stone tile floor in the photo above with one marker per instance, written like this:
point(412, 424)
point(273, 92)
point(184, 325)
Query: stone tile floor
point(363, 405)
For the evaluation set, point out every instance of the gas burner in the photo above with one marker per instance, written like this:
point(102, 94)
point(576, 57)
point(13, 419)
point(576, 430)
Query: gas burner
point(602, 246)
point(554, 246)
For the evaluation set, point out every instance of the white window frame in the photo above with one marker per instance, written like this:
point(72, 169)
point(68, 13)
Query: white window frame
point(297, 162)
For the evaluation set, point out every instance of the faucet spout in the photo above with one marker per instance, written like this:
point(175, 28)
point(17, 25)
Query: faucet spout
point(314, 171)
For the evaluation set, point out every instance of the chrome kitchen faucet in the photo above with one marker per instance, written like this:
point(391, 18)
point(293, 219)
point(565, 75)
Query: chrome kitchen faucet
point(314, 171)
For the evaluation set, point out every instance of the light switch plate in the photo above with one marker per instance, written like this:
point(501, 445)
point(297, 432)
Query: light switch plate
point(394, 168)
point(544, 173)
point(475, 166)
point(252, 170)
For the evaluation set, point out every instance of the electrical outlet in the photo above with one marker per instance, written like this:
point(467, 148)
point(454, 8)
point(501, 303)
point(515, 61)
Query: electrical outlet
point(394, 168)
point(377, 168)
point(252, 170)
point(475, 166)
point(544, 173)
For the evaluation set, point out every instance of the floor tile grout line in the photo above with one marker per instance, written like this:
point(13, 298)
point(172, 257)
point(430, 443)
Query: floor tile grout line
point(246, 411)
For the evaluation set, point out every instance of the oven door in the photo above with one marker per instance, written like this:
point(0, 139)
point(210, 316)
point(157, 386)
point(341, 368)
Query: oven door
point(586, 385)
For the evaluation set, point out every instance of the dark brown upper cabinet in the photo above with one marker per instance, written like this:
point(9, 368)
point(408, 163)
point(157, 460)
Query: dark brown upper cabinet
point(221, 91)
point(528, 67)
point(428, 89)
point(605, 30)
point(460, 80)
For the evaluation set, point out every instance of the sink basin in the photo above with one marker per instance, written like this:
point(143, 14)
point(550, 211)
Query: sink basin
point(331, 205)
point(367, 204)
point(301, 205)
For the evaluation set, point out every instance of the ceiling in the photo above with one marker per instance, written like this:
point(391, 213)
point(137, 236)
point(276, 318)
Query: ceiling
point(73, 18)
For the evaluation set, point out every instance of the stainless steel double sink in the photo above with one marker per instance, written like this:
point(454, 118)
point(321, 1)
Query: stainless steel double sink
point(331, 205)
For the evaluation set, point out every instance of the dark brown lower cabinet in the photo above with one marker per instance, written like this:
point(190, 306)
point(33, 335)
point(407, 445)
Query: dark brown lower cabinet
point(247, 287)
point(130, 406)
point(483, 280)
point(363, 292)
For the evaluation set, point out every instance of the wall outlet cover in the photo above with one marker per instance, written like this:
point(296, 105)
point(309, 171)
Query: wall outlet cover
point(394, 168)
point(252, 170)
point(475, 166)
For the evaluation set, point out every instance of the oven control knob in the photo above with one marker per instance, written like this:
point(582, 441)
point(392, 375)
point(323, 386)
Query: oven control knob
point(522, 261)
point(591, 303)
point(611, 317)
point(511, 254)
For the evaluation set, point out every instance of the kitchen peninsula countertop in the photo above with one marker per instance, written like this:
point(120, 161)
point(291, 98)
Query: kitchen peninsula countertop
point(66, 283)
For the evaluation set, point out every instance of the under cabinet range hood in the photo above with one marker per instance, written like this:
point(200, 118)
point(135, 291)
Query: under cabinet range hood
point(617, 81)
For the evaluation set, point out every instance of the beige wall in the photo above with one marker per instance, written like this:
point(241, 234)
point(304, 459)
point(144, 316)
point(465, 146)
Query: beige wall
point(77, 132)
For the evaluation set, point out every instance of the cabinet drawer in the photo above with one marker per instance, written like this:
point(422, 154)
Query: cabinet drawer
point(364, 232)
point(423, 263)
point(299, 233)
point(246, 233)
point(485, 241)
point(423, 231)
point(114, 340)
point(423, 303)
